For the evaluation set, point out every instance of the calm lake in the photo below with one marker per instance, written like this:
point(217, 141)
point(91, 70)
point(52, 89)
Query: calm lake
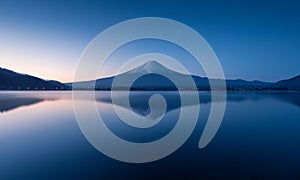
point(259, 138)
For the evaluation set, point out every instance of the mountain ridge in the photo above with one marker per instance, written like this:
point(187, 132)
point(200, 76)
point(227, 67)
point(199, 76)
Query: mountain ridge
point(10, 80)
point(151, 80)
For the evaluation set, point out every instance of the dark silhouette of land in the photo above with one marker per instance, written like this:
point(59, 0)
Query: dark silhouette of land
point(10, 80)
point(152, 80)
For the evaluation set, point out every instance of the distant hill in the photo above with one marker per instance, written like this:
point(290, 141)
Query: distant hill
point(10, 80)
point(292, 83)
point(153, 81)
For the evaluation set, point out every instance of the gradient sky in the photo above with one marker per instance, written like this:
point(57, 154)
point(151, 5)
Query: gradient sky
point(252, 39)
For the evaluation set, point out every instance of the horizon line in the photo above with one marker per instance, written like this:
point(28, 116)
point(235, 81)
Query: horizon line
point(112, 75)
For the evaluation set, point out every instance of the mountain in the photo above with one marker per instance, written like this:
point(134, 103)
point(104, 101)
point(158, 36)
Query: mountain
point(292, 83)
point(150, 67)
point(58, 84)
point(153, 81)
point(10, 80)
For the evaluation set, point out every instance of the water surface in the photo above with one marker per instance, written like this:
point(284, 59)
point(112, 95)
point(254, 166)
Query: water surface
point(258, 138)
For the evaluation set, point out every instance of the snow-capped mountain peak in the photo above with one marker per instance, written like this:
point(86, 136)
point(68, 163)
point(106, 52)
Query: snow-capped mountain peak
point(151, 66)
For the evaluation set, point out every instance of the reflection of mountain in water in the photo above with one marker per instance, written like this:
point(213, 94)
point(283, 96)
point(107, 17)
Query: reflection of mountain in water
point(292, 98)
point(139, 101)
point(7, 105)
point(11, 101)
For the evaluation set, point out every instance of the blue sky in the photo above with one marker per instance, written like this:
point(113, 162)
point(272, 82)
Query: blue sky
point(252, 39)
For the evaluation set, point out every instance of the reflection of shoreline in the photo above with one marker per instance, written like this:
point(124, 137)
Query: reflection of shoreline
point(13, 100)
point(139, 99)
point(18, 102)
point(266, 90)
